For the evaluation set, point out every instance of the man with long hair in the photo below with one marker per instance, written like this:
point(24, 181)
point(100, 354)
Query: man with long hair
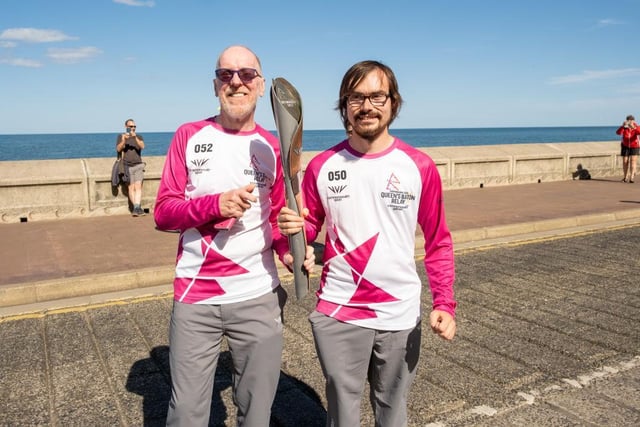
point(370, 191)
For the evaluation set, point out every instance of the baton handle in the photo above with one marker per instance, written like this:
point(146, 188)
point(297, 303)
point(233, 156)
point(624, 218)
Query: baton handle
point(297, 246)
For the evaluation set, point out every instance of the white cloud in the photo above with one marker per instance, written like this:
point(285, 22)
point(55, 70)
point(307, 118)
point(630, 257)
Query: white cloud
point(588, 75)
point(21, 62)
point(136, 3)
point(607, 22)
point(34, 35)
point(72, 55)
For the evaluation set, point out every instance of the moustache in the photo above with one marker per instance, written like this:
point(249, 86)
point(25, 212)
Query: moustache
point(367, 114)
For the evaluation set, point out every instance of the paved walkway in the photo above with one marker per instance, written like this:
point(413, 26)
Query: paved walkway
point(49, 260)
point(548, 331)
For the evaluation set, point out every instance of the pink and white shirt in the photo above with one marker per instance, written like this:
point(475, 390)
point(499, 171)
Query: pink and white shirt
point(222, 266)
point(371, 205)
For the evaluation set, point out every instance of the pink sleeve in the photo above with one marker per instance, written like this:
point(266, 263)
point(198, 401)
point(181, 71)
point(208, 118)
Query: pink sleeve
point(312, 201)
point(280, 242)
point(438, 260)
point(172, 210)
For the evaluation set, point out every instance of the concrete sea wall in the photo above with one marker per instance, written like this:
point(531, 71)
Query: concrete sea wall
point(50, 189)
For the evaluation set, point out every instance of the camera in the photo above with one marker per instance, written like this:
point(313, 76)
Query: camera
point(128, 130)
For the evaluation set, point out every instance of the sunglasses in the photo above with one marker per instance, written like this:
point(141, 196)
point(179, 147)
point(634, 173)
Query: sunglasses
point(132, 127)
point(246, 75)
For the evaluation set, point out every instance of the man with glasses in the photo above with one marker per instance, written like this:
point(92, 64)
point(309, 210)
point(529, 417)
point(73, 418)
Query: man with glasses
point(129, 145)
point(222, 186)
point(370, 191)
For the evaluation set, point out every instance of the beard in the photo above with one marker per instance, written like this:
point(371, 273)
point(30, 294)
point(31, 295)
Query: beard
point(236, 111)
point(369, 131)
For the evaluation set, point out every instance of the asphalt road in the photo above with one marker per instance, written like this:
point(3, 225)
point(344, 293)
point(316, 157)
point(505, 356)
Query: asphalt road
point(548, 334)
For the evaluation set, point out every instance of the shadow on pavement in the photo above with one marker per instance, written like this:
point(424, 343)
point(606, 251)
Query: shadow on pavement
point(150, 378)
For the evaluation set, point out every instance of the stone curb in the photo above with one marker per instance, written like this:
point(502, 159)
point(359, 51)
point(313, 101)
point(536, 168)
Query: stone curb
point(70, 287)
point(103, 283)
point(499, 231)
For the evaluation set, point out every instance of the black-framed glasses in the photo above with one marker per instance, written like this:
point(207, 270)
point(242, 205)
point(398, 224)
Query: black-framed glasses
point(246, 75)
point(377, 99)
point(132, 127)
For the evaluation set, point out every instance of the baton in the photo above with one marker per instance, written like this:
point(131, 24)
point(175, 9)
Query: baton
point(287, 112)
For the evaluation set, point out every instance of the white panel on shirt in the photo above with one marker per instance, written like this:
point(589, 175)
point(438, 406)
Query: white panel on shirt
point(367, 199)
point(218, 162)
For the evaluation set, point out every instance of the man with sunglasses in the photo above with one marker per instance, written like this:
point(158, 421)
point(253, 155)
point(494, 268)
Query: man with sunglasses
point(129, 145)
point(222, 187)
point(370, 191)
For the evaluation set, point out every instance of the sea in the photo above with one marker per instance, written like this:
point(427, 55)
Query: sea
point(87, 145)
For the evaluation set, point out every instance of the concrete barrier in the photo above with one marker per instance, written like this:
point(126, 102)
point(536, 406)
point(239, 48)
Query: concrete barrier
point(490, 165)
point(50, 189)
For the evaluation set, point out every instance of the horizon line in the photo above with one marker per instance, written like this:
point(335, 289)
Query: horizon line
point(329, 130)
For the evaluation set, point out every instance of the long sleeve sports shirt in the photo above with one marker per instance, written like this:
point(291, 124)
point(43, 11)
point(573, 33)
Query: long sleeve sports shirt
point(630, 137)
point(371, 205)
point(222, 266)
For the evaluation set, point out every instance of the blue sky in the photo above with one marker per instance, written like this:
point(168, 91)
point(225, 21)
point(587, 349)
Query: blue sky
point(85, 66)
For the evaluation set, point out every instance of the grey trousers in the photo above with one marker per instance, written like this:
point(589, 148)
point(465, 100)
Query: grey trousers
point(254, 334)
point(349, 354)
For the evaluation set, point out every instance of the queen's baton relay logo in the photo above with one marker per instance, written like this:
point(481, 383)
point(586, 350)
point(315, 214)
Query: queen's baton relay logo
point(394, 197)
point(255, 170)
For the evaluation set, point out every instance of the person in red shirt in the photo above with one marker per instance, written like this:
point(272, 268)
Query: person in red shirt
point(630, 147)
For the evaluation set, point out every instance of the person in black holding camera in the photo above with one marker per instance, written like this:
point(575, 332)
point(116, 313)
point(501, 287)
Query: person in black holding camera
point(129, 145)
point(630, 147)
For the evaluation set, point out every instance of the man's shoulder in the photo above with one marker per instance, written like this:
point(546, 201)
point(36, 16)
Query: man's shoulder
point(268, 135)
point(417, 157)
point(196, 124)
point(412, 151)
point(325, 154)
